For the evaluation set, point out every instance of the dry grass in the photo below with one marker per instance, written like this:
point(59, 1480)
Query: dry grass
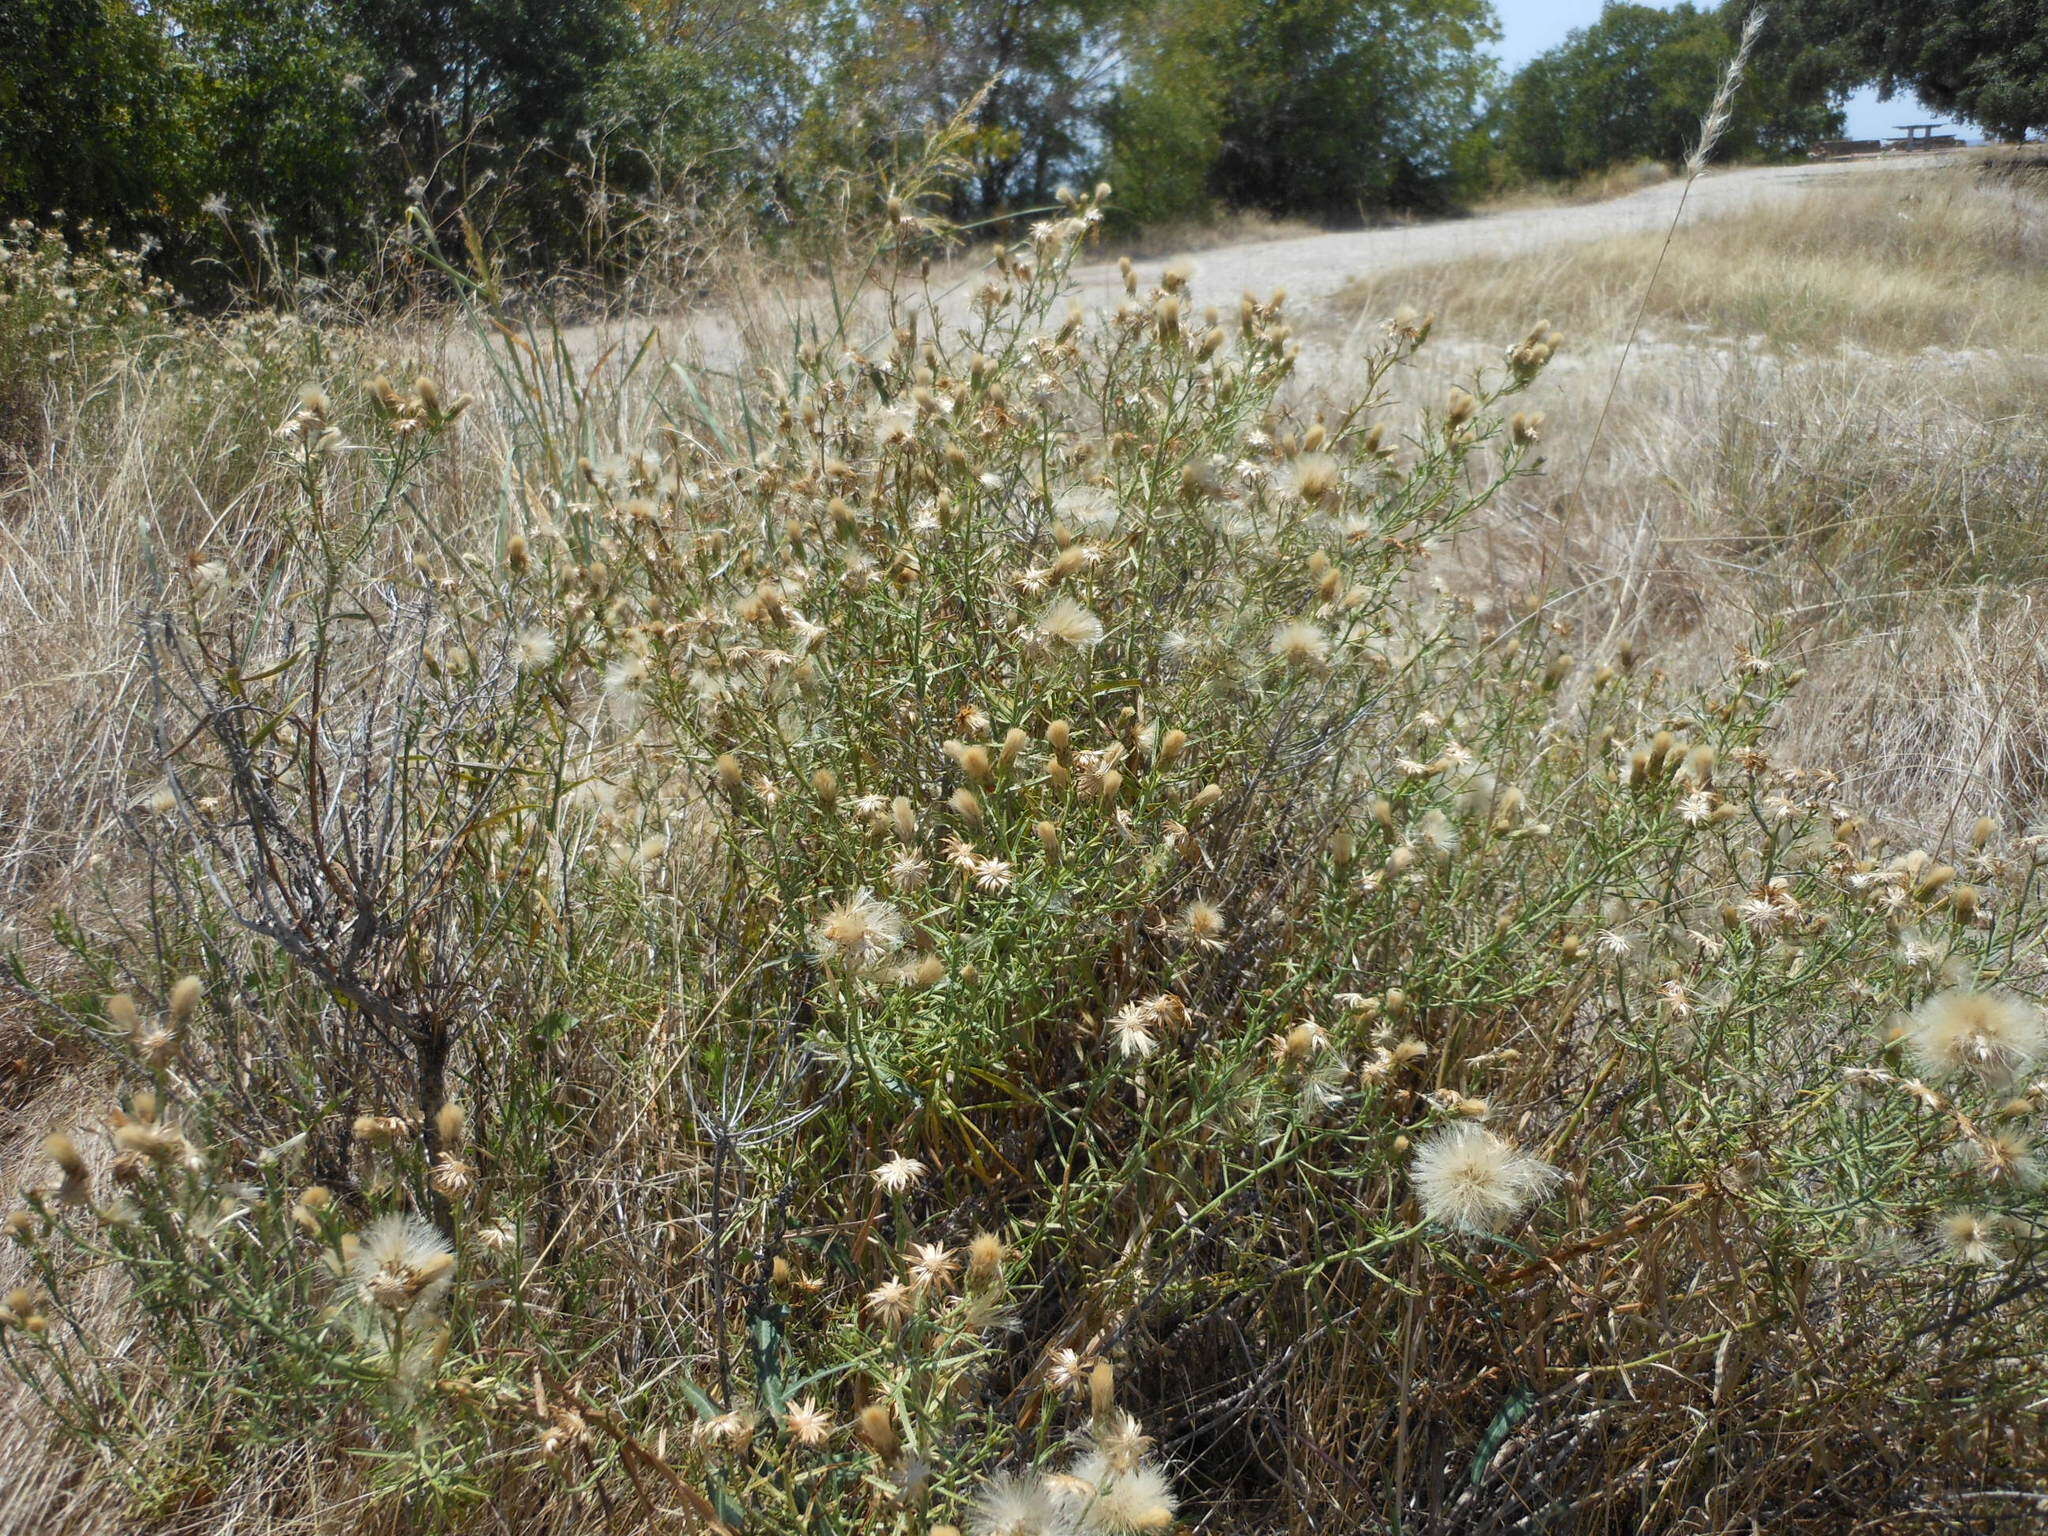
point(1594, 187)
point(1946, 259)
point(1828, 434)
point(1239, 226)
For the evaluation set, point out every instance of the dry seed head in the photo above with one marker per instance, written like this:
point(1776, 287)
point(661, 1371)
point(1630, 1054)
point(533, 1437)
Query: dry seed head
point(1992, 1035)
point(450, 1124)
point(878, 1429)
point(184, 999)
point(1008, 1505)
point(965, 804)
point(1971, 1237)
point(899, 1175)
point(311, 1207)
point(1299, 644)
point(1202, 923)
point(826, 784)
point(1119, 1495)
point(380, 1130)
point(1935, 877)
point(891, 1303)
point(808, 1424)
point(1102, 1391)
point(1660, 749)
point(1469, 1178)
point(452, 1177)
point(63, 1151)
point(1299, 1044)
point(986, 1256)
point(1316, 477)
point(932, 1267)
point(1070, 561)
point(1066, 622)
point(1049, 838)
point(859, 933)
point(904, 815)
point(77, 1186)
point(730, 774)
point(120, 1012)
point(400, 1263)
point(1166, 317)
point(1014, 741)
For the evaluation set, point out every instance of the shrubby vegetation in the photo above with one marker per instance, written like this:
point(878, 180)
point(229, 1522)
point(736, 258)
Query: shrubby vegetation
point(954, 928)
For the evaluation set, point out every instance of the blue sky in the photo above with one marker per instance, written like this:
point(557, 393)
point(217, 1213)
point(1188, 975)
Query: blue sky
point(1528, 27)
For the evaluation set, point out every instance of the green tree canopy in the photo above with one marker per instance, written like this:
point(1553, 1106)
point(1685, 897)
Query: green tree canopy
point(88, 102)
point(1983, 60)
point(1320, 107)
point(1636, 83)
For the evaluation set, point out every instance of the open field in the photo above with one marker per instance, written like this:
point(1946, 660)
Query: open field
point(1202, 914)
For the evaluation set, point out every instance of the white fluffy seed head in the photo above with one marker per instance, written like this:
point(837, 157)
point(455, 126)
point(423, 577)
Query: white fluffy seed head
point(1992, 1034)
point(402, 1264)
point(1469, 1178)
point(1066, 622)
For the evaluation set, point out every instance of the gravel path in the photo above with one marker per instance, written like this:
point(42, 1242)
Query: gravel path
point(1312, 268)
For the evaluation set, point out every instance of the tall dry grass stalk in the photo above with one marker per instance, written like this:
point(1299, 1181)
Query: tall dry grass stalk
point(1712, 126)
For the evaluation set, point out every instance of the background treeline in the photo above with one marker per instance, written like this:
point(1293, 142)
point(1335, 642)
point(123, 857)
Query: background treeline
point(224, 132)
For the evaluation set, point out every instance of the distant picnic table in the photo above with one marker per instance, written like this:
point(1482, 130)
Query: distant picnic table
point(1916, 138)
point(1919, 136)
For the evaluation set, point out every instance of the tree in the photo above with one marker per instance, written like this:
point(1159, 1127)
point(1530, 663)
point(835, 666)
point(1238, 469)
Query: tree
point(87, 113)
point(1165, 126)
point(1636, 83)
point(1322, 107)
point(1984, 60)
point(1332, 107)
point(486, 106)
point(275, 115)
point(1038, 73)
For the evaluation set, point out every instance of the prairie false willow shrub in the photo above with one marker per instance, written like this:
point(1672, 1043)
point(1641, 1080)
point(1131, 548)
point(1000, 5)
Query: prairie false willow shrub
point(953, 931)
